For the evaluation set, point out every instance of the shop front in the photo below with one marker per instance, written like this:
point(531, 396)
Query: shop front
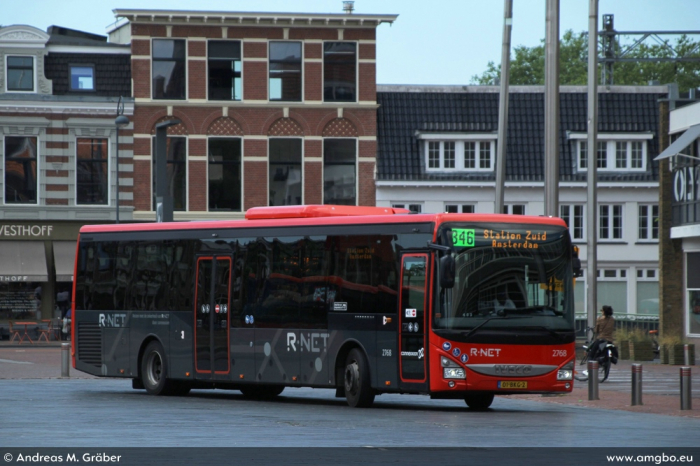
point(36, 275)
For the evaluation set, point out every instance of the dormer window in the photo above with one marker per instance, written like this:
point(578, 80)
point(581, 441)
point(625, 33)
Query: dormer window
point(20, 74)
point(459, 153)
point(615, 152)
point(82, 78)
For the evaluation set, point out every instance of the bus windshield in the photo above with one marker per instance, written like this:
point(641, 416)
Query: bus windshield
point(507, 276)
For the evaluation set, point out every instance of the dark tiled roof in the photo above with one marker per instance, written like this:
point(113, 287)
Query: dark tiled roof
point(402, 114)
point(112, 72)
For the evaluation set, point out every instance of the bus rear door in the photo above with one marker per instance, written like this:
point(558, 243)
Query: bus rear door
point(413, 350)
point(213, 297)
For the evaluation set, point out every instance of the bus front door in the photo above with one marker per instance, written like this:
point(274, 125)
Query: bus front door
point(413, 350)
point(211, 337)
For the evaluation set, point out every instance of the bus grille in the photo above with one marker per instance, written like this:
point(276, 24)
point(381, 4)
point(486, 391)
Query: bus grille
point(90, 344)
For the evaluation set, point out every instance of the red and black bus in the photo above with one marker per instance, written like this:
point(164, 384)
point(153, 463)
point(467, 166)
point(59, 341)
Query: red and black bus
point(363, 300)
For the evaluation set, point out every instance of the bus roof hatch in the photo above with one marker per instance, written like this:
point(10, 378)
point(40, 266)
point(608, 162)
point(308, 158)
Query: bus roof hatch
point(309, 211)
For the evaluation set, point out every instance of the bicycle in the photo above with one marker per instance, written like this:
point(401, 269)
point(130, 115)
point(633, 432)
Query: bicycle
point(606, 354)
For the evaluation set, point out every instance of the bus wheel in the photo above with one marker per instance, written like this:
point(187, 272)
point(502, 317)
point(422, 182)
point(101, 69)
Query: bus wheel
point(479, 402)
point(358, 390)
point(154, 373)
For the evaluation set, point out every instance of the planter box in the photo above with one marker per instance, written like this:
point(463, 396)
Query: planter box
point(663, 354)
point(676, 355)
point(641, 351)
point(623, 349)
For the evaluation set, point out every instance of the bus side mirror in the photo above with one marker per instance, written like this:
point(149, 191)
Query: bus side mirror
point(447, 271)
point(576, 262)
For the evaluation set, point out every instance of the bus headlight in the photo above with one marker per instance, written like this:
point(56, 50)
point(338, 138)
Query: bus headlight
point(451, 370)
point(566, 372)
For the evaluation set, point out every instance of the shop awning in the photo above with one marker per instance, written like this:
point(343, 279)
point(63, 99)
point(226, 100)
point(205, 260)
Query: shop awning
point(64, 260)
point(23, 261)
point(686, 139)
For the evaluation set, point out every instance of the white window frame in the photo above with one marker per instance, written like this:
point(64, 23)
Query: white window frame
point(39, 167)
point(460, 207)
point(187, 172)
point(207, 173)
point(206, 86)
point(323, 72)
point(35, 80)
point(357, 165)
point(110, 166)
point(187, 70)
point(303, 59)
point(508, 209)
point(574, 221)
point(610, 229)
point(649, 219)
point(301, 138)
point(459, 141)
point(408, 205)
point(611, 140)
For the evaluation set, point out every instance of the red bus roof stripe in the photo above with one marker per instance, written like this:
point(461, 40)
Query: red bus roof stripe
point(312, 221)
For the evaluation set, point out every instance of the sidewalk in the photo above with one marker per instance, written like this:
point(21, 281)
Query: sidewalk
point(616, 392)
point(660, 382)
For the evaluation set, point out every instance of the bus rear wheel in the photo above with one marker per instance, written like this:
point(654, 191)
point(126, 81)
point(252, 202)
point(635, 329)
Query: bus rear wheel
point(358, 389)
point(154, 372)
point(479, 401)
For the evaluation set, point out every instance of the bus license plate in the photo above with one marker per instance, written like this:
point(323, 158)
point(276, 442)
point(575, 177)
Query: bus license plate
point(517, 384)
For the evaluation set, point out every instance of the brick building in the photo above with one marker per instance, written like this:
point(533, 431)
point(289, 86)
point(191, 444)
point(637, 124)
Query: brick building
point(273, 108)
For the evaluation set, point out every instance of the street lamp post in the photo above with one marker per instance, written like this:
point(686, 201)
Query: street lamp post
point(121, 121)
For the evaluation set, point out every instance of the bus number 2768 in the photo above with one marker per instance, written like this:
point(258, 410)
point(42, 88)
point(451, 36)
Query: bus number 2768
point(386, 352)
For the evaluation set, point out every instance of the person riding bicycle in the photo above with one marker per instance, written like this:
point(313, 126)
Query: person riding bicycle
point(604, 330)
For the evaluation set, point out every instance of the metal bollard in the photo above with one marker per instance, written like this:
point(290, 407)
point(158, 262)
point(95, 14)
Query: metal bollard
point(593, 380)
point(65, 359)
point(637, 384)
point(686, 391)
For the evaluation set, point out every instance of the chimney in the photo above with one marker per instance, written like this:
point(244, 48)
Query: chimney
point(348, 7)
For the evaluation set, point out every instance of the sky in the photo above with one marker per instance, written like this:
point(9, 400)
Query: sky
point(431, 42)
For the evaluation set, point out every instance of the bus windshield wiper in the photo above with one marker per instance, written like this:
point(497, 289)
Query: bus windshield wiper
point(493, 318)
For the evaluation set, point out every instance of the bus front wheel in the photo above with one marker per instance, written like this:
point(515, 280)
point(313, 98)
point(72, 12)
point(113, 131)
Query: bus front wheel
point(358, 389)
point(479, 401)
point(154, 372)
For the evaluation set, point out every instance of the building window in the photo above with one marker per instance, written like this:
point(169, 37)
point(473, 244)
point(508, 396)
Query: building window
point(176, 171)
point(460, 155)
point(82, 78)
point(514, 209)
point(339, 171)
point(224, 68)
point(573, 215)
point(20, 74)
point(610, 221)
point(285, 71)
point(649, 222)
point(415, 208)
point(285, 171)
point(612, 289)
point(225, 174)
point(459, 208)
point(340, 72)
point(168, 69)
point(618, 154)
point(20, 170)
point(92, 171)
